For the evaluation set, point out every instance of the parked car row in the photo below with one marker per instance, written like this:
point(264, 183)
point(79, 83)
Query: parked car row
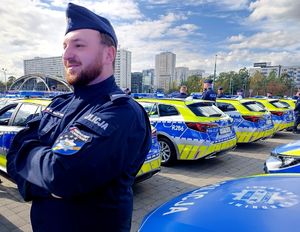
point(14, 114)
point(192, 129)
point(243, 204)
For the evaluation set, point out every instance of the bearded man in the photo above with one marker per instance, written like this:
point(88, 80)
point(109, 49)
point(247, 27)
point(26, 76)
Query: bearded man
point(78, 159)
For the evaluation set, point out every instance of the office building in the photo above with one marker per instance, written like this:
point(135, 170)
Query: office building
point(148, 80)
point(123, 68)
point(136, 82)
point(181, 75)
point(265, 68)
point(165, 63)
point(50, 66)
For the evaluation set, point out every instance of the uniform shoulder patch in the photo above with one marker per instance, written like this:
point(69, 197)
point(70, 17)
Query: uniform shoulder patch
point(70, 142)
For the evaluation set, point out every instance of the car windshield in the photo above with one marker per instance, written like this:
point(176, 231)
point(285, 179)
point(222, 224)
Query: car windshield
point(253, 106)
point(206, 109)
point(278, 104)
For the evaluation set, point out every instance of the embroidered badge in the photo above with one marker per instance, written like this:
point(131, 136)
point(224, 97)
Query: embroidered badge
point(70, 142)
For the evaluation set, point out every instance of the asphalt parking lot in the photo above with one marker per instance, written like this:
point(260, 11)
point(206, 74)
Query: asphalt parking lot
point(246, 159)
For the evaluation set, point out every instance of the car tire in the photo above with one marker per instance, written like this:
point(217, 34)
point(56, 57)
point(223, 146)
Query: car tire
point(167, 152)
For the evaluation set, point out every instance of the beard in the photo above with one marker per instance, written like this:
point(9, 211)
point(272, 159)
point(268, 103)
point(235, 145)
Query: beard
point(87, 75)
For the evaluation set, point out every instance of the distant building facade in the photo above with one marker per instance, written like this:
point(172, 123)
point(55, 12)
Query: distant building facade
point(165, 63)
point(181, 75)
point(136, 82)
point(51, 66)
point(148, 80)
point(265, 68)
point(196, 72)
point(123, 68)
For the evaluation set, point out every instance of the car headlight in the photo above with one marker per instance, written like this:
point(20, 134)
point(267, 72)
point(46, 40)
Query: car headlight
point(286, 160)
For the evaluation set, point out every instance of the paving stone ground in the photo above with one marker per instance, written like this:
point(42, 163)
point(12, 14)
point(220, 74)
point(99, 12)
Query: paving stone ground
point(246, 159)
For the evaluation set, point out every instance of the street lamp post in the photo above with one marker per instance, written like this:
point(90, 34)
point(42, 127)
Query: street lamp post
point(4, 72)
point(215, 70)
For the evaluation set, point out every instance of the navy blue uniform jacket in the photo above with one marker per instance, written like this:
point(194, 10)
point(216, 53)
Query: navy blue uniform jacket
point(77, 161)
point(209, 94)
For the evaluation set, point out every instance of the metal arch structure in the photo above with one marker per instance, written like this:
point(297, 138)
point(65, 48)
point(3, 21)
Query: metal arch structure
point(41, 78)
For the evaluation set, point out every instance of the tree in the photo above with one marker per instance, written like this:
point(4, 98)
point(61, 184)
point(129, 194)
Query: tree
point(10, 81)
point(257, 83)
point(194, 84)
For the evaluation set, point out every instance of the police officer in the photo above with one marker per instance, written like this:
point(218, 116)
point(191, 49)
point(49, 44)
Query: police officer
point(269, 95)
point(297, 114)
point(182, 92)
point(208, 93)
point(220, 93)
point(77, 161)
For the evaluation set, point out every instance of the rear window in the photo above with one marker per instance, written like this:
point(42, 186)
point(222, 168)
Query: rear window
point(167, 110)
point(285, 104)
point(225, 107)
point(205, 109)
point(254, 106)
point(278, 104)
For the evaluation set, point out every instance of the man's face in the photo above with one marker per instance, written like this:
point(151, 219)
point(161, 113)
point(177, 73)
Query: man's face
point(206, 85)
point(83, 56)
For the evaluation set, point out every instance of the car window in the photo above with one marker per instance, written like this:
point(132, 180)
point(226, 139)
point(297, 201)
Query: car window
point(24, 113)
point(254, 106)
point(6, 114)
point(285, 104)
point(261, 105)
point(205, 109)
point(150, 108)
point(167, 110)
point(279, 104)
point(225, 107)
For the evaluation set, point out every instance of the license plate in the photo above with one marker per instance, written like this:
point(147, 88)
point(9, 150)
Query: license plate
point(225, 130)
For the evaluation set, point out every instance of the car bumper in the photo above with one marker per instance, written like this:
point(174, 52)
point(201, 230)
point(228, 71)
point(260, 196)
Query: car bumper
point(274, 165)
point(148, 169)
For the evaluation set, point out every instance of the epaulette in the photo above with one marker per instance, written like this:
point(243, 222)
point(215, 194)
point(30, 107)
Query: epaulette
point(118, 97)
point(62, 96)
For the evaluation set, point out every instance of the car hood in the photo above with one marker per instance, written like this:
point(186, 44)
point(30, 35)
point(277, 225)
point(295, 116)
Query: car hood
point(260, 203)
point(292, 149)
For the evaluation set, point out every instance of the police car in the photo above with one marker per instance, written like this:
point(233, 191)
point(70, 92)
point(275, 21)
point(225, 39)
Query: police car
point(15, 113)
point(189, 129)
point(284, 158)
point(291, 103)
point(251, 121)
point(257, 203)
point(282, 115)
point(152, 162)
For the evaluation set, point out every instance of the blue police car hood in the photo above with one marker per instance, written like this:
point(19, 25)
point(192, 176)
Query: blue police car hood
point(261, 203)
point(287, 147)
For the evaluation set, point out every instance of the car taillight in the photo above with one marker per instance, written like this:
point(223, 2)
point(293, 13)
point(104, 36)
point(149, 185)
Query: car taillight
point(278, 113)
point(252, 118)
point(202, 127)
point(153, 131)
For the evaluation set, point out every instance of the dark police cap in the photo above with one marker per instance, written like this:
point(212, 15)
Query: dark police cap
point(81, 18)
point(220, 88)
point(209, 81)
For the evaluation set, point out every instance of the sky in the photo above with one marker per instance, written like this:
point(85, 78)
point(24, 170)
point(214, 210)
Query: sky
point(232, 33)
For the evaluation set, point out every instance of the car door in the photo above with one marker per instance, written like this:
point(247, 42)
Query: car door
point(13, 119)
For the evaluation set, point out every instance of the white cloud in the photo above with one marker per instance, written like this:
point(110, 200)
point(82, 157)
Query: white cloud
point(277, 40)
point(27, 30)
point(236, 38)
point(271, 33)
point(113, 9)
point(275, 10)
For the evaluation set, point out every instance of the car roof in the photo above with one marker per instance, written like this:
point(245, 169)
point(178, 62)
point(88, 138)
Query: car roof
point(175, 101)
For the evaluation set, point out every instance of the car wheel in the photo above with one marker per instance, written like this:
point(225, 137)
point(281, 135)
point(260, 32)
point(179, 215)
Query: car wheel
point(167, 151)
